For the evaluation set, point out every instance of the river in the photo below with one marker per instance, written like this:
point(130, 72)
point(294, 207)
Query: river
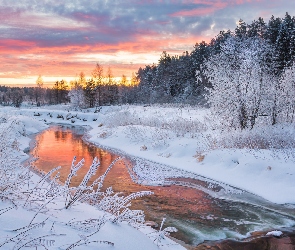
point(194, 212)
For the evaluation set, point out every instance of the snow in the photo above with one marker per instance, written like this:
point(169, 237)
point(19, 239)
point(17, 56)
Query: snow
point(274, 233)
point(179, 137)
point(123, 236)
point(182, 137)
point(55, 227)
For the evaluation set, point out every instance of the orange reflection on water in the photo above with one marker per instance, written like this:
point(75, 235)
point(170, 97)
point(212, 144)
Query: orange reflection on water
point(58, 145)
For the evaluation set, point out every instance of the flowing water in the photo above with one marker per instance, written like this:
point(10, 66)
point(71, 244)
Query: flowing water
point(195, 213)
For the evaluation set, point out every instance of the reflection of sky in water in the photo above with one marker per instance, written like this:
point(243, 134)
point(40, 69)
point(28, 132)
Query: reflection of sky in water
point(58, 145)
point(196, 214)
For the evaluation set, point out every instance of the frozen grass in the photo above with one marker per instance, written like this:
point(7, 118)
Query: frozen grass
point(152, 124)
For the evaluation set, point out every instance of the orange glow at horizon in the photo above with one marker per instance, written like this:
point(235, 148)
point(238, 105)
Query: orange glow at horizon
point(61, 40)
point(56, 63)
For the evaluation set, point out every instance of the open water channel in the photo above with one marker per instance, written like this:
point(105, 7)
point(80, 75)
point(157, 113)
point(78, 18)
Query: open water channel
point(194, 212)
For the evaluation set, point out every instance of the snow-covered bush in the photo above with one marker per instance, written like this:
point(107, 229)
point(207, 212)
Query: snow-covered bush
point(117, 205)
point(160, 235)
point(286, 97)
point(77, 97)
point(172, 122)
point(12, 175)
point(43, 195)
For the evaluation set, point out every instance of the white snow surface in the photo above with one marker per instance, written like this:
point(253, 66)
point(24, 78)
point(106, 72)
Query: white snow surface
point(186, 138)
point(56, 227)
point(182, 137)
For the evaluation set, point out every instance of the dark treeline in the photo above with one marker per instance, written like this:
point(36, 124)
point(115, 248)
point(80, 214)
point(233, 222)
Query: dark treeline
point(101, 89)
point(174, 78)
point(83, 92)
point(15, 96)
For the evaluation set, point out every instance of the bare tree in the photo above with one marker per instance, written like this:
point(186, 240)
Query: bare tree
point(97, 75)
point(39, 90)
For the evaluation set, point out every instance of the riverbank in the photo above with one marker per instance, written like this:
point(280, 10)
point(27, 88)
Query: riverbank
point(180, 138)
point(186, 138)
point(33, 214)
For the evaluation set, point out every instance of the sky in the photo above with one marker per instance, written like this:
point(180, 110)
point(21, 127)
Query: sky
point(60, 39)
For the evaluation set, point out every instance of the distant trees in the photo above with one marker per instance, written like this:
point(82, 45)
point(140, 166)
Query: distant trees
point(17, 97)
point(11, 96)
point(95, 91)
point(14, 96)
point(60, 89)
point(172, 80)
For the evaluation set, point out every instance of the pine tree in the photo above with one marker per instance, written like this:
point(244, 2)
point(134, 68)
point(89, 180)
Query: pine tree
point(90, 93)
point(60, 89)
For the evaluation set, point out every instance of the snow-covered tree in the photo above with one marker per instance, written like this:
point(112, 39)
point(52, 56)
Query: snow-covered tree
point(240, 79)
point(76, 95)
point(287, 95)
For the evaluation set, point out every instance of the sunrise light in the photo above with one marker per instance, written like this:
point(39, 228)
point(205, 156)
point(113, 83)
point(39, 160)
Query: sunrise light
point(58, 41)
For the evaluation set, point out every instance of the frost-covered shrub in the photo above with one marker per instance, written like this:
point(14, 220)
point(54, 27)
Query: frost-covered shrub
point(122, 118)
point(12, 176)
point(275, 137)
point(160, 138)
point(107, 201)
point(117, 205)
point(104, 134)
point(136, 134)
point(179, 123)
point(181, 126)
point(159, 236)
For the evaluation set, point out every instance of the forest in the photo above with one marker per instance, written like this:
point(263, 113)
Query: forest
point(242, 74)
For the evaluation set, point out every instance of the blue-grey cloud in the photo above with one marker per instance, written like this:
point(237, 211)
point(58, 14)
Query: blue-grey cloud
point(71, 27)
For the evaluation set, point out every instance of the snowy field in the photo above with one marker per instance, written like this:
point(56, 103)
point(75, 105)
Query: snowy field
point(260, 161)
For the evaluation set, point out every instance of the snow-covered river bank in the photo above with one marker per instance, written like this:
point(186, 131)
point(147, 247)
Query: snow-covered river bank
point(162, 137)
point(33, 213)
point(191, 205)
point(185, 138)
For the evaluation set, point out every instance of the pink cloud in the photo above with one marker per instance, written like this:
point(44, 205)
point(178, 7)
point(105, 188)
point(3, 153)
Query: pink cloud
point(19, 58)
